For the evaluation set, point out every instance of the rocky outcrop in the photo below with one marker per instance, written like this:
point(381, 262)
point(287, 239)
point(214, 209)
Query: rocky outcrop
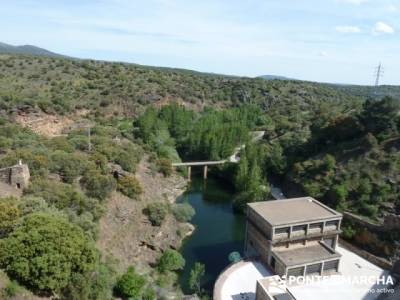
point(126, 233)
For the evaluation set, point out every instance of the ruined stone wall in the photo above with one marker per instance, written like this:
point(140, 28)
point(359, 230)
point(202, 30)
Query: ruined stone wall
point(16, 176)
point(5, 175)
point(391, 222)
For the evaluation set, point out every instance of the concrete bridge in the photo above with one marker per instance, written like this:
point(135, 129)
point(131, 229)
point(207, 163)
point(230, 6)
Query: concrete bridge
point(204, 164)
point(234, 158)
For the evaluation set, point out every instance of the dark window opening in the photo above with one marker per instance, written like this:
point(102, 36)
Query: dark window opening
point(273, 263)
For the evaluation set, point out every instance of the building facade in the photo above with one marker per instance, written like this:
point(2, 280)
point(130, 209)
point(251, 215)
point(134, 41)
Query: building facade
point(294, 237)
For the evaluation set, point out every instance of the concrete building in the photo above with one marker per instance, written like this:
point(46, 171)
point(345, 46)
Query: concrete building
point(294, 237)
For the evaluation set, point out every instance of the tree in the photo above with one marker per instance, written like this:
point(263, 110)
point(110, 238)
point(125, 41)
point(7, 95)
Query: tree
point(9, 215)
point(378, 116)
point(196, 275)
point(170, 260)
point(45, 252)
point(130, 285)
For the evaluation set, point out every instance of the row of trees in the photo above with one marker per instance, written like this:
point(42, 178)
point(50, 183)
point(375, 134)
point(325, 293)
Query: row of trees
point(210, 135)
point(250, 179)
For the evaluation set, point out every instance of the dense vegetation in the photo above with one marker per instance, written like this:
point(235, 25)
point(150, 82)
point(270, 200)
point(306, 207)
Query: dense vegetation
point(351, 161)
point(175, 132)
point(66, 86)
point(48, 235)
point(324, 141)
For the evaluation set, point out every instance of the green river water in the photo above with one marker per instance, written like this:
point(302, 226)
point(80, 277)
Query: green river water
point(218, 230)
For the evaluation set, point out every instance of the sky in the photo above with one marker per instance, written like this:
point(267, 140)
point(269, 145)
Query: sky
point(338, 41)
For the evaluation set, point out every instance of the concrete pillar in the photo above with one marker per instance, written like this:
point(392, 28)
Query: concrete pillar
point(336, 241)
point(189, 173)
point(205, 170)
point(322, 268)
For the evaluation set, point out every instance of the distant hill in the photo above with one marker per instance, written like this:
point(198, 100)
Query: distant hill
point(369, 91)
point(275, 77)
point(27, 50)
point(364, 91)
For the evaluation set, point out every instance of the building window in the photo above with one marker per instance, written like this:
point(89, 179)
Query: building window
point(316, 227)
point(313, 269)
point(273, 263)
point(331, 265)
point(18, 185)
point(299, 230)
point(295, 272)
point(283, 230)
point(332, 225)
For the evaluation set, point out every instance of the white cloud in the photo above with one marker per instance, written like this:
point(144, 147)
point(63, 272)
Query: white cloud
point(392, 8)
point(356, 2)
point(382, 28)
point(348, 29)
point(323, 54)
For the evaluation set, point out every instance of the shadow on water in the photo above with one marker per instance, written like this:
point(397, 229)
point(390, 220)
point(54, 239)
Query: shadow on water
point(218, 230)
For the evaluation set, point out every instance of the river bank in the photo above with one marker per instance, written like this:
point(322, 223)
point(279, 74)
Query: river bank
point(219, 231)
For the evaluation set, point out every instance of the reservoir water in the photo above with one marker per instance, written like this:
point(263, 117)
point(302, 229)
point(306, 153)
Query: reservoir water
point(219, 231)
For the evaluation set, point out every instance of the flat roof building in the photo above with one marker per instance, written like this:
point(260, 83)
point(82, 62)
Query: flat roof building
point(294, 237)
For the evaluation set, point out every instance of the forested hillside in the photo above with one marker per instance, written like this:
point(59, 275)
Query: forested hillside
point(326, 142)
point(63, 86)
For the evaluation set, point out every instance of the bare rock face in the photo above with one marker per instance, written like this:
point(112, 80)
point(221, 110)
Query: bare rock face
point(126, 233)
point(392, 222)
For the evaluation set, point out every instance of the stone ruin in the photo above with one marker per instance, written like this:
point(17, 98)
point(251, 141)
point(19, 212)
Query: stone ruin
point(16, 176)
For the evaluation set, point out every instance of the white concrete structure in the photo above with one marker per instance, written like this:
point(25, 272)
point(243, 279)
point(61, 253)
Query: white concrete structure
point(334, 288)
point(239, 281)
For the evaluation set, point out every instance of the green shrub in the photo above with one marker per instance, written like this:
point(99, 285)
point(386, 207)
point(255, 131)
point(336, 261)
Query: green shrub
point(11, 289)
point(45, 251)
point(348, 232)
point(63, 196)
point(68, 166)
point(156, 212)
point(165, 167)
point(30, 204)
point(127, 161)
point(130, 285)
point(129, 186)
point(183, 212)
point(9, 215)
point(170, 260)
point(96, 285)
point(149, 294)
point(97, 185)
